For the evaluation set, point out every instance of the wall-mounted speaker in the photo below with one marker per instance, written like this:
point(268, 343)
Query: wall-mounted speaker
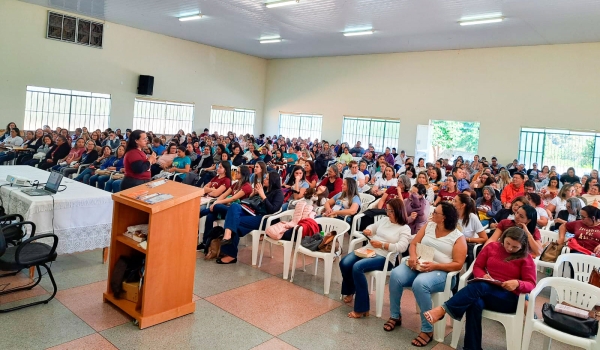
point(145, 85)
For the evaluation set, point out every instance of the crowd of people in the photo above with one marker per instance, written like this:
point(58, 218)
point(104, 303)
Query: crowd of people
point(460, 208)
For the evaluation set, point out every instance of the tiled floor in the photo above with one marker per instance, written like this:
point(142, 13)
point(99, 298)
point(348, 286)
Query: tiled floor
point(237, 307)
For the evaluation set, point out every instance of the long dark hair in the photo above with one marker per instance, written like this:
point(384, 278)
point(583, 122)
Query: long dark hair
point(263, 172)
point(469, 207)
point(227, 168)
point(274, 181)
point(531, 214)
point(244, 172)
point(520, 236)
point(292, 179)
point(135, 135)
point(450, 215)
point(399, 211)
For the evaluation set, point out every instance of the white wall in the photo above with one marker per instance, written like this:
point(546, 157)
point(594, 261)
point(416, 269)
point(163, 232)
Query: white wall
point(502, 88)
point(183, 71)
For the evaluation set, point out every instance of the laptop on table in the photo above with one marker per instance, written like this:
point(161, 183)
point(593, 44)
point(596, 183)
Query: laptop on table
point(49, 189)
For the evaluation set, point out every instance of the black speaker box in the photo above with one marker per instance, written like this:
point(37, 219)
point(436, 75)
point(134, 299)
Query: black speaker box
point(145, 85)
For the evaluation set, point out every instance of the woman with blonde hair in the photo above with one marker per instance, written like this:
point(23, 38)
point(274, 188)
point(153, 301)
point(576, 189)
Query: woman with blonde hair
point(503, 179)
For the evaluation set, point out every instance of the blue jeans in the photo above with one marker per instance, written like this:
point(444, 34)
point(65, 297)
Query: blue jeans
point(113, 186)
point(472, 299)
point(354, 280)
point(423, 285)
point(84, 176)
point(6, 156)
point(240, 223)
point(100, 180)
point(211, 216)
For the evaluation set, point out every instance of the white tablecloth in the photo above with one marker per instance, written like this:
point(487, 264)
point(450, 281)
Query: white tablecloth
point(81, 214)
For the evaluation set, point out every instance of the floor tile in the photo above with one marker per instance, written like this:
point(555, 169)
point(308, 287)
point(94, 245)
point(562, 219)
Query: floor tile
point(75, 277)
point(316, 283)
point(274, 344)
point(40, 326)
point(334, 328)
point(91, 342)
point(86, 302)
point(273, 305)
point(18, 280)
point(270, 265)
point(207, 328)
point(212, 278)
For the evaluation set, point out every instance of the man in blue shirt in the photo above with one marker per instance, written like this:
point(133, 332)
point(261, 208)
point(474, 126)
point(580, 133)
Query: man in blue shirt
point(461, 183)
point(357, 151)
point(157, 147)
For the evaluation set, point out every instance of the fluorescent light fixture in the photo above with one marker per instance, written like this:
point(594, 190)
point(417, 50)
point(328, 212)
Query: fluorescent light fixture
point(362, 32)
point(190, 18)
point(270, 40)
point(280, 3)
point(480, 20)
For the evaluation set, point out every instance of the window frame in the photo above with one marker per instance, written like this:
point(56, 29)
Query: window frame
point(89, 109)
point(386, 140)
point(312, 132)
point(175, 116)
point(230, 120)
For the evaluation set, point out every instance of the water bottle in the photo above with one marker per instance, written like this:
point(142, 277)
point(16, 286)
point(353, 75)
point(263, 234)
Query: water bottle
point(322, 234)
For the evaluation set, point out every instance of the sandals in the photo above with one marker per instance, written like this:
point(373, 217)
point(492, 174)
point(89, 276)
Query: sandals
point(420, 341)
point(391, 324)
point(348, 299)
point(219, 261)
point(354, 314)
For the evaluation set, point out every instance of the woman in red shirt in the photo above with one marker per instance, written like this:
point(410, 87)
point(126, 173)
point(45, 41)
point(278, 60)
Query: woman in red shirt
point(448, 192)
point(526, 219)
point(311, 177)
point(507, 261)
point(332, 182)
point(136, 163)
point(219, 183)
point(586, 230)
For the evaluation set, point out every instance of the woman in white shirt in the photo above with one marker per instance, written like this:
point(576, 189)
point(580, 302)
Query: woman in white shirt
point(560, 202)
point(469, 224)
point(382, 184)
point(390, 234)
point(423, 179)
point(427, 277)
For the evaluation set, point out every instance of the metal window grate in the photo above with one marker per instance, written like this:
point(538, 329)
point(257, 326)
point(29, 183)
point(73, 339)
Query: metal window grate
point(237, 120)
point(74, 30)
point(561, 148)
point(163, 117)
point(66, 108)
point(381, 133)
point(300, 125)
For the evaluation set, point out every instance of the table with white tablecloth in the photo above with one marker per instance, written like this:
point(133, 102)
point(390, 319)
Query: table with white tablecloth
point(80, 215)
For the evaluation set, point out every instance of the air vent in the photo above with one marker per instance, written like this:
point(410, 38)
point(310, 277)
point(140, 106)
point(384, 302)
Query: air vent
point(74, 30)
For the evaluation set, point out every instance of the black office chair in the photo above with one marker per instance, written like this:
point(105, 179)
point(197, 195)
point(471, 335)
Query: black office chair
point(29, 253)
point(13, 234)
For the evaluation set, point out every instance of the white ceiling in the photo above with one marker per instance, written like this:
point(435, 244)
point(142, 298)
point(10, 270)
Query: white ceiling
point(314, 27)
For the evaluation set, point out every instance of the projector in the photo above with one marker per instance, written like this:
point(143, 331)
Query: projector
point(18, 181)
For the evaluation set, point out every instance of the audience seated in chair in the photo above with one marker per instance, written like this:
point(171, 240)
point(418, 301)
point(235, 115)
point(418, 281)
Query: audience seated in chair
point(390, 234)
point(428, 277)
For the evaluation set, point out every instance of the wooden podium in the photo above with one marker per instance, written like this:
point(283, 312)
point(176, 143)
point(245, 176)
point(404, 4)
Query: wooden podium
point(168, 283)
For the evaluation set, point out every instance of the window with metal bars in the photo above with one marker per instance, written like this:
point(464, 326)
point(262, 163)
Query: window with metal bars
point(66, 109)
point(381, 133)
point(561, 148)
point(237, 120)
point(300, 125)
point(163, 117)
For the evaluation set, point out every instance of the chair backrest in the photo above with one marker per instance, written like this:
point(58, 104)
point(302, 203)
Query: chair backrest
point(365, 199)
point(576, 293)
point(582, 266)
point(331, 224)
point(548, 236)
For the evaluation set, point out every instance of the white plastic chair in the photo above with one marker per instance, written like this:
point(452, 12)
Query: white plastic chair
point(288, 246)
point(576, 293)
point(547, 237)
point(582, 266)
point(439, 328)
point(513, 323)
point(328, 225)
point(356, 235)
point(377, 282)
point(365, 199)
point(549, 224)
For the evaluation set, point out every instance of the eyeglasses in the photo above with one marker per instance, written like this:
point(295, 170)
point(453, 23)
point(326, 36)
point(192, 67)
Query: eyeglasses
point(389, 210)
